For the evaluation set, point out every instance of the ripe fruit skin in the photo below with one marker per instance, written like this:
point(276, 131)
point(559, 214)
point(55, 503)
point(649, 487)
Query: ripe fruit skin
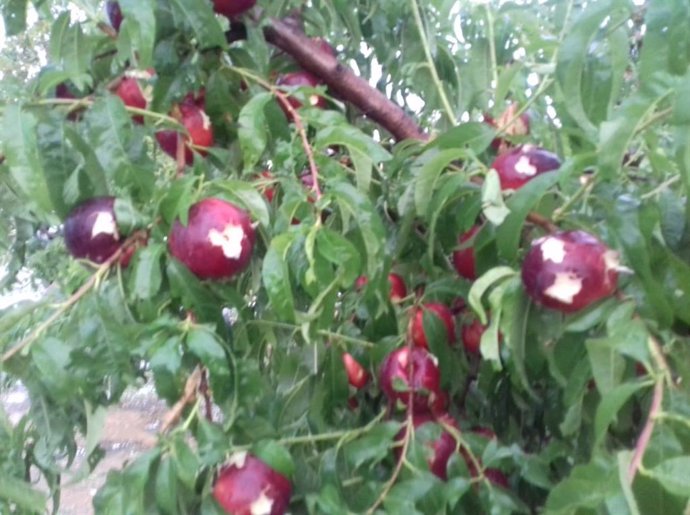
point(232, 7)
point(418, 371)
point(568, 271)
point(131, 94)
point(463, 259)
point(300, 79)
point(357, 375)
point(91, 230)
point(198, 125)
point(217, 242)
point(416, 327)
point(247, 486)
point(520, 165)
point(114, 14)
point(440, 450)
point(398, 289)
point(472, 336)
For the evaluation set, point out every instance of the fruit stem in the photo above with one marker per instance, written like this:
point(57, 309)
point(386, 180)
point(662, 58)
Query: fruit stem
point(430, 63)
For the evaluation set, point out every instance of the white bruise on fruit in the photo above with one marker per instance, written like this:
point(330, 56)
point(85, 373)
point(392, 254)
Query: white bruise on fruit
point(238, 459)
point(553, 249)
point(402, 359)
point(565, 287)
point(524, 167)
point(104, 224)
point(262, 505)
point(230, 240)
point(206, 120)
point(314, 99)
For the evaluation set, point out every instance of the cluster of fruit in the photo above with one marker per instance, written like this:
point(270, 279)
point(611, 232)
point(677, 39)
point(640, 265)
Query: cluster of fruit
point(566, 271)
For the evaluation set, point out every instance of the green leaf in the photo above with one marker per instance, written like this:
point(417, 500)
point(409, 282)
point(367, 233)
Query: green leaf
point(666, 39)
point(482, 284)
point(607, 364)
point(139, 29)
point(588, 486)
point(247, 196)
point(493, 205)
point(275, 456)
point(166, 486)
point(375, 446)
point(205, 346)
point(610, 405)
point(14, 16)
point(147, 277)
point(276, 277)
point(473, 137)
point(341, 252)
point(186, 461)
point(674, 475)
point(426, 169)
point(21, 151)
point(70, 50)
point(253, 131)
point(201, 20)
point(21, 494)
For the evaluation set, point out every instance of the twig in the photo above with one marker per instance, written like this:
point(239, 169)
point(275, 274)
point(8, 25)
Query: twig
point(71, 301)
point(341, 80)
point(107, 30)
point(180, 151)
point(188, 397)
point(430, 63)
point(297, 120)
point(542, 222)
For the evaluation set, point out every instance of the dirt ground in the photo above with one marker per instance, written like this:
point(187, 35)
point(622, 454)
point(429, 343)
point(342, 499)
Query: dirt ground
point(130, 429)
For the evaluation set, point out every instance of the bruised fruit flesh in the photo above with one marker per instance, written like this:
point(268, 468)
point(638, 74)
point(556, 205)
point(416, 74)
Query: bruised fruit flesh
point(520, 165)
point(217, 241)
point(91, 230)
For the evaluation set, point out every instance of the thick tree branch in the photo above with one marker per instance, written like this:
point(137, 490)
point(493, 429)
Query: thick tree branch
point(342, 81)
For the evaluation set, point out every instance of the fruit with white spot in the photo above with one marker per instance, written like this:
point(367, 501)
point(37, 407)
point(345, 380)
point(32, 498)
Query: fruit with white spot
point(412, 375)
point(357, 375)
point(416, 325)
point(569, 271)
point(91, 230)
point(198, 127)
point(297, 80)
point(248, 486)
point(217, 241)
point(520, 165)
point(438, 451)
point(463, 258)
point(231, 8)
point(131, 92)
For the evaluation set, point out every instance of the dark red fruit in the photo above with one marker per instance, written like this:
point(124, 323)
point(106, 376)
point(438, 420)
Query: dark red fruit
point(198, 126)
point(520, 165)
point(268, 190)
point(440, 450)
point(416, 326)
point(296, 80)
point(398, 289)
point(357, 375)
point(232, 7)
point(411, 374)
point(130, 92)
point(114, 13)
point(91, 230)
point(569, 271)
point(463, 259)
point(217, 242)
point(472, 336)
point(494, 475)
point(247, 486)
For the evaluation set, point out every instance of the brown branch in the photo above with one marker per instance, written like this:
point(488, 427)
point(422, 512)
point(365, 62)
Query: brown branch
point(542, 222)
point(646, 434)
point(342, 81)
point(189, 396)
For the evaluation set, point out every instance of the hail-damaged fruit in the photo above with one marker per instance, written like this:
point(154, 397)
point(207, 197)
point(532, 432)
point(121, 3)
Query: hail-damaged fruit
point(412, 374)
point(132, 93)
point(438, 451)
point(217, 241)
point(190, 113)
point(520, 165)
point(463, 258)
point(91, 230)
point(297, 80)
point(398, 288)
point(248, 486)
point(114, 13)
point(416, 325)
point(357, 375)
point(568, 271)
point(232, 7)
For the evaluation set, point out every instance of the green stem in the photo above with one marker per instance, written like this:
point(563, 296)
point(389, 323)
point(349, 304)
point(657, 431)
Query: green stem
point(492, 47)
point(430, 62)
